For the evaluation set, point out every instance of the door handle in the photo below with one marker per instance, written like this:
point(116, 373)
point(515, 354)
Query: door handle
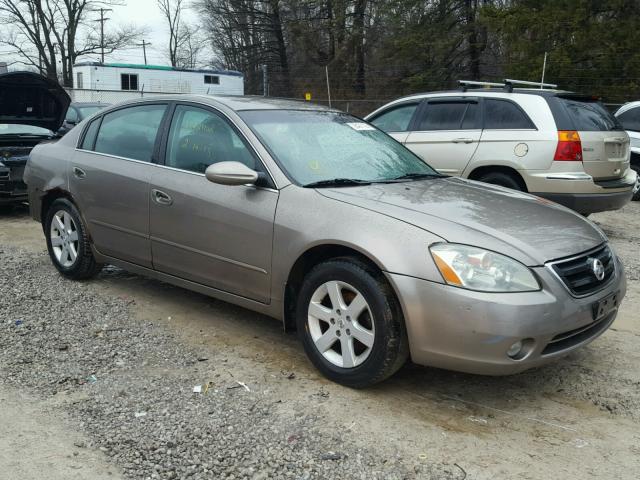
point(78, 172)
point(161, 197)
point(462, 140)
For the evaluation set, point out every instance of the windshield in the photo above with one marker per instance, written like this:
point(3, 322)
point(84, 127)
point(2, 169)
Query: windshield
point(316, 146)
point(15, 129)
point(88, 111)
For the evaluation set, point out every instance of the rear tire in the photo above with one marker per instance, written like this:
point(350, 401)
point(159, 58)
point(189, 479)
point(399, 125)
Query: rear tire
point(502, 179)
point(350, 323)
point(68, 243)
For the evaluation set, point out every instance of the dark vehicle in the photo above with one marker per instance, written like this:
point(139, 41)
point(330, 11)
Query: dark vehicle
point(77, 112)
point(32, 107)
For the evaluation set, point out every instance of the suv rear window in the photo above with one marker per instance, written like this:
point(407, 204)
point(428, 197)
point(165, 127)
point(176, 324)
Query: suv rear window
point(505, 115)
point(590, 115)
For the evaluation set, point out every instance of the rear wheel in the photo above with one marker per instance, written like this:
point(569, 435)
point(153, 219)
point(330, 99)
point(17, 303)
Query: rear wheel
point(350, 323)
point(67, 241)
point(501, 178)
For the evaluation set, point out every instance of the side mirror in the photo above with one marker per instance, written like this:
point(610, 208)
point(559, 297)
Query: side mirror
point(231, 173)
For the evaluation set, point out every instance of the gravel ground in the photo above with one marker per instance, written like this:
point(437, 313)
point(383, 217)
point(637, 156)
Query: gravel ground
point(136, 381)
point(120, 355)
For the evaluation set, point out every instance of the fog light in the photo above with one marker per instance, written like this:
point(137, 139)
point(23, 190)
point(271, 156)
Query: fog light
point(515, 349)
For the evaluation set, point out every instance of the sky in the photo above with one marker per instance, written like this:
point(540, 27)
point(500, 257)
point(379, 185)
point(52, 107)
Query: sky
point(142, 13)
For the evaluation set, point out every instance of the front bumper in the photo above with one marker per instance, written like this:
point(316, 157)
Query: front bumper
point(468, 331)
point(12, 186)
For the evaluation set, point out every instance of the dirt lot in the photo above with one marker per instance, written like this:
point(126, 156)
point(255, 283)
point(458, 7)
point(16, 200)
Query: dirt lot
point(96, 381)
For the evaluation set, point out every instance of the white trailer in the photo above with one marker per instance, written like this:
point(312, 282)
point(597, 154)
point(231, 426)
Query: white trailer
point(155, 79)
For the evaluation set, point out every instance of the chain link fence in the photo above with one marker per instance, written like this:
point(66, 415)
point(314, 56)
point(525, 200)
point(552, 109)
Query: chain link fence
point(358, 107)
point(108, 96)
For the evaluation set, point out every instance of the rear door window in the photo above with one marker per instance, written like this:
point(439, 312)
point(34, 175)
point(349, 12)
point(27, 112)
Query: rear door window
point(452, 115)
point(130, 132)
point(590, 115)
point(89, 138)
point(505, 115)
point(630, 120)
point(397, 119)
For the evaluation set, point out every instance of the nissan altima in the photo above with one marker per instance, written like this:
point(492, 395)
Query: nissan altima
point(324, 222)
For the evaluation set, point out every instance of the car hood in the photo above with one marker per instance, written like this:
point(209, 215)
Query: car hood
point(528, 228)
point(28, 98)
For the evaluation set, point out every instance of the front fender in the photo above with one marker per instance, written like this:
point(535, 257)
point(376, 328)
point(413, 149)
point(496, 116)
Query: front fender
point(306, 219)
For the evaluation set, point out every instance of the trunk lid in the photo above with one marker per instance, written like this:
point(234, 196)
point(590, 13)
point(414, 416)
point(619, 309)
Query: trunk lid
point(27, 98)
point(605, 155)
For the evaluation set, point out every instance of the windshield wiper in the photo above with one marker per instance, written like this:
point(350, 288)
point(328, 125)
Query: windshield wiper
point(337, 182)
point(417, 176)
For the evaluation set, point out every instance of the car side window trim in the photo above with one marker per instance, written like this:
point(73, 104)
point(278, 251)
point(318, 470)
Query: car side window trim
point(166, 127)
point(518, 107)
point(82, 136)
point(99, 119)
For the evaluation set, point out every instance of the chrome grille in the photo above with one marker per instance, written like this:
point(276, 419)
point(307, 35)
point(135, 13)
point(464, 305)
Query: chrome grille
point(577, 273)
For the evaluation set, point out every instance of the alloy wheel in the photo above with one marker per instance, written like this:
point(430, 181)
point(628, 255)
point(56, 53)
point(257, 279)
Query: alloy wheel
point(64, 238)
point(341, 324)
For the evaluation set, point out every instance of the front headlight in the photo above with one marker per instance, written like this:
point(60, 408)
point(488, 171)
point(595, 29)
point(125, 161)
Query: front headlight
point(477, 269)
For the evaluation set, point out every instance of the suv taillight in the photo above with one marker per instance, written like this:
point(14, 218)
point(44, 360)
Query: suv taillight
point(569, 146)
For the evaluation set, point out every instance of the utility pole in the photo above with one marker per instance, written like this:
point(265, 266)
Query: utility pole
point(544, 67)
point(326, 71)
point(144, 46)
point(102, 20)
point(265, 81)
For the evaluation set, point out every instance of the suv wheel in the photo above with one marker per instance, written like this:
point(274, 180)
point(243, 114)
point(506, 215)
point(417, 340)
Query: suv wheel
point(67, 241)
point(350, 323)
point(636, 196)
point(502, 179)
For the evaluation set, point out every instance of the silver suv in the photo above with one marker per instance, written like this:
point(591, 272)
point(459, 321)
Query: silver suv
point(560, 145)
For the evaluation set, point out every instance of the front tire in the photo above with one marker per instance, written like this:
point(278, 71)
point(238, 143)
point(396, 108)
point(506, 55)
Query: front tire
point(68, 243)
point(350, 323)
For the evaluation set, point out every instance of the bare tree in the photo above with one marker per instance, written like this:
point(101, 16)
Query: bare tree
point(191, 47)
point(45, 33)
point(171, 10)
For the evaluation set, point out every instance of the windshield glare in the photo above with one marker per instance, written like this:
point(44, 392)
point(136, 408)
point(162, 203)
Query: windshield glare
point(313, 146)
point(16, 129)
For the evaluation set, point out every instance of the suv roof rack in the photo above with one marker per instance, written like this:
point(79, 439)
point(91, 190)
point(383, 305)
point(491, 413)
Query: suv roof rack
point(506, 85)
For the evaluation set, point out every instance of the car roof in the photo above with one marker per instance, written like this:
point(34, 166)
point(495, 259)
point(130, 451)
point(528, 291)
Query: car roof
point(89, 104)
point(547, 92)
point(238, 103)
